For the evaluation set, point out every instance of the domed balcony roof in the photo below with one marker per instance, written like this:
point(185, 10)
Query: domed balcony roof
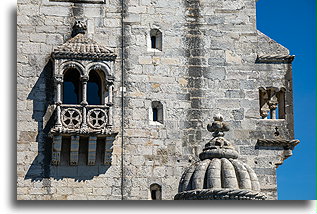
point(81, 47)
point(219, 174)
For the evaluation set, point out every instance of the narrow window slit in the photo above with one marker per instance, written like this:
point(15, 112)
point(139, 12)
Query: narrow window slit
point(155, 110)
point(153, 41)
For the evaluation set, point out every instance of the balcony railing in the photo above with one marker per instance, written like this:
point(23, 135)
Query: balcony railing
point(83, 119)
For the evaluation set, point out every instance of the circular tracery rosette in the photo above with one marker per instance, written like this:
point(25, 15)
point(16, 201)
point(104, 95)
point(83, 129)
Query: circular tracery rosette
point(71, 118)
point(97, 118)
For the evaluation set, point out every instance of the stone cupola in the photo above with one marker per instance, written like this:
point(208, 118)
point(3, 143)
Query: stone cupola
point(219, 175)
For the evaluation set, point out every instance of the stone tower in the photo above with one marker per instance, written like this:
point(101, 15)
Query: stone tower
point(114, 96)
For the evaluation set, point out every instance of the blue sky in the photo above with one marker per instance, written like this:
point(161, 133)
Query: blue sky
point(292, 23)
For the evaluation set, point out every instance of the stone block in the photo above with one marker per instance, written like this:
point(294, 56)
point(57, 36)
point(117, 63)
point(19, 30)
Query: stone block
point(55, 10)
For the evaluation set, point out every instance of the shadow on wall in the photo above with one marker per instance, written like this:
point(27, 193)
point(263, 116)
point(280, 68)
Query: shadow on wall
point(42, 95)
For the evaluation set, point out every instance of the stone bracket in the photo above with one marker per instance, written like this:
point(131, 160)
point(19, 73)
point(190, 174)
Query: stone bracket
point(56, 150)
point(92, 149)
point(286, 145)
point(74, 149)
point(108, 150)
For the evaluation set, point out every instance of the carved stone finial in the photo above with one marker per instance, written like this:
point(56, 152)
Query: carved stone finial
point(218, 146)
point(218, 126)
point(79, 27)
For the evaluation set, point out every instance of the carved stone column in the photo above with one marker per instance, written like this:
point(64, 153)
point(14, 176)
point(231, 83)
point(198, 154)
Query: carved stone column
point(84, 102)
point(264, 108)
point(74, 149)
point(56, 149)
point(92, 147)
point(58, 99)
point(272, 101)
point(110, 94)
point(273, 105)
point(84, 80)
point(110, 101)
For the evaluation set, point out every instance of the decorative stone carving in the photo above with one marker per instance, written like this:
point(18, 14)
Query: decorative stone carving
point(218, 126)
point(270, 99)
point(218, 174)
point(97, 118)
point(79, 27)
point(82, 54)
point(58, 79)
point(275, 58)
point(71, 118)
point(286, 145)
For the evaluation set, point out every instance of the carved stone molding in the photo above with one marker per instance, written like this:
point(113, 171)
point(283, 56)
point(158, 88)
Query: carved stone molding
point(270, 99)
point(97, 118)
point(221, 194)
point(274, 58)
point(286, 144)
point(58, 79)
point(71, 118)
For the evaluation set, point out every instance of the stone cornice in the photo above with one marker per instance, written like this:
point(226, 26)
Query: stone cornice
point(81, 132)
point(274, 58)
point(286, 144)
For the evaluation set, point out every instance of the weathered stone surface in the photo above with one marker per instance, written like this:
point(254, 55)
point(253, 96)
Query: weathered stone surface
point(207, 65)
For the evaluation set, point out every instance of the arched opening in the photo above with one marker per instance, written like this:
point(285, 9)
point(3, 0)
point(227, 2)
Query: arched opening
point(156, 192)
point(94, 88)
point(156, 39)
point(71, 87)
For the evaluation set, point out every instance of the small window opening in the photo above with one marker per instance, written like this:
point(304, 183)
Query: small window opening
point(153, 41)
point(157, 112)
point(71, 87)
point(156, 192)
point(156, 39)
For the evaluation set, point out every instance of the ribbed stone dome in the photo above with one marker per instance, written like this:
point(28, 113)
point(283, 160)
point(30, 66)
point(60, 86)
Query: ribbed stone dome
point(219, 174)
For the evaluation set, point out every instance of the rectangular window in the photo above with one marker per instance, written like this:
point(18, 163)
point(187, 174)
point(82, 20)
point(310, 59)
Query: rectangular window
point(156, 112)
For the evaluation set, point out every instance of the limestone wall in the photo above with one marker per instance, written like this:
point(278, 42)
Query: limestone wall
point(207, 65)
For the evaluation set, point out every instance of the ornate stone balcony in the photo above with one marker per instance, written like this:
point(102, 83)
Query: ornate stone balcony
point(83, 120)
